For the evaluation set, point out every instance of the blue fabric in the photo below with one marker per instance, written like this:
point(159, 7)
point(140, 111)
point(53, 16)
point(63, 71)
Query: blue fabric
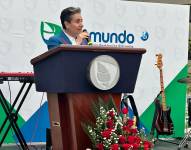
point(34, 130)
point(131, 115)
point(59, 39)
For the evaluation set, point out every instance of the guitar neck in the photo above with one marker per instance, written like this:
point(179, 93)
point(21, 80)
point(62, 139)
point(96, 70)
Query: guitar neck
point(162, 91)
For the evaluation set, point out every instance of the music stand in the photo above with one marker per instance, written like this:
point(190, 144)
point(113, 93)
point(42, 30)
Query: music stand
point(184, 142)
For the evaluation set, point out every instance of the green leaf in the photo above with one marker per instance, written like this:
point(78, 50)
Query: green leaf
point(48, 29)
point(111, 103)
point(95, 109)
point(102, 103)
point(86, 130)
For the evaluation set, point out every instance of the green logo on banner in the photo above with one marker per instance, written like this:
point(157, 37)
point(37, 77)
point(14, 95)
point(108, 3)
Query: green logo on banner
point(48, 29)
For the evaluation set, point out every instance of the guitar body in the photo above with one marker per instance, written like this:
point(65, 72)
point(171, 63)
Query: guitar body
point(163, 122)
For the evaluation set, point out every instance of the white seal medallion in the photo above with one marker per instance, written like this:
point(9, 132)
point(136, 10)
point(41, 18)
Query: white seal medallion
point(104, 72)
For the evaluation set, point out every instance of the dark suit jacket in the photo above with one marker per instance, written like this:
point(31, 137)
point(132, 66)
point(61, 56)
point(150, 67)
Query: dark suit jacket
point(59, 39)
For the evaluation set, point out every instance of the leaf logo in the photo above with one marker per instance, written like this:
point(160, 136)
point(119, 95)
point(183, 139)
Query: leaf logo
point(106, 73)
point(48, 29)
point(103, 73)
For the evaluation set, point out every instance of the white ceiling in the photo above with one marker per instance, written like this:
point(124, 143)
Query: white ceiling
point(165, 1)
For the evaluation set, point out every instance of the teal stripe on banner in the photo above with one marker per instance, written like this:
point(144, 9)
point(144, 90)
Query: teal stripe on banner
point(9, 138)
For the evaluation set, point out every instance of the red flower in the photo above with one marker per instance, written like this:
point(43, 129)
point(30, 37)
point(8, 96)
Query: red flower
point(130, 122)
point(127, 129)
point(133, 139)
point(126, 146)
point(106, 133)
point(134, 131)
point(138, 140)
point(136, 146)
point(125, 110)
point(147, 145)
point(111, 114)
point(122, 139)
point(114, 147)
point(110, 124)
point(100, 146)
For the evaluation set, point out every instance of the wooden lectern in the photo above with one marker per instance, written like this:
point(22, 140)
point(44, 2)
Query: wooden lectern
point(62, 73)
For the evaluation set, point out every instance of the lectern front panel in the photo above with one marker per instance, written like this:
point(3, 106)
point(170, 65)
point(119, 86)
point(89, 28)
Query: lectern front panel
point(67, 72)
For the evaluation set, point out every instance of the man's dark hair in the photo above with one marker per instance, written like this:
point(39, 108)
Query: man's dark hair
point(67, 13)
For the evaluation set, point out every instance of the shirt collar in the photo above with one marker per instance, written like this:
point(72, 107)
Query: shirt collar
point(72, 39)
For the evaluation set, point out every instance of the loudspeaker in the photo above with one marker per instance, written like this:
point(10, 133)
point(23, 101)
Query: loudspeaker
point(48, 139)
point(189, 110)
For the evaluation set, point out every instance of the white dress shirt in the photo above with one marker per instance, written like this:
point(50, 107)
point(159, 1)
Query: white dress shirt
point(72, 39)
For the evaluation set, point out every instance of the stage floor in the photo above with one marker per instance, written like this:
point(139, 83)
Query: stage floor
point(159, 145)
point(165, 145)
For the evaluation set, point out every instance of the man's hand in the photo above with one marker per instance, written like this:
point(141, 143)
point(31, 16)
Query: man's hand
point(80, 37)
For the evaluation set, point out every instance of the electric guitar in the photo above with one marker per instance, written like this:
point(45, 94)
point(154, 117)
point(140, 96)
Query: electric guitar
point(163, 123)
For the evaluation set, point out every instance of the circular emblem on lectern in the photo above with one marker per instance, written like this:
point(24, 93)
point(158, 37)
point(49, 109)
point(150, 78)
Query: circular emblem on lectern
point(104, 72)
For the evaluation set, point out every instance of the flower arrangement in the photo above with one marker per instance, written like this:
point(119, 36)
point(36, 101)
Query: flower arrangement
point(113, 131)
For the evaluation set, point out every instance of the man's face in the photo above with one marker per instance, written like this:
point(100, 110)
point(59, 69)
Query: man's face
point(74, 27)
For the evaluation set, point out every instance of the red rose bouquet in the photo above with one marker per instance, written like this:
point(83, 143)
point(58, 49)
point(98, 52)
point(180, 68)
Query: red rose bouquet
point(115, 132)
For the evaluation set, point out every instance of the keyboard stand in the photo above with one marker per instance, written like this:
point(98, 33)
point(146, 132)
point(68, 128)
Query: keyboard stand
point(12, 115)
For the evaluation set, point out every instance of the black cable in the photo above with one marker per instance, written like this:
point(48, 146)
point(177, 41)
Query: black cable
point(10, 97)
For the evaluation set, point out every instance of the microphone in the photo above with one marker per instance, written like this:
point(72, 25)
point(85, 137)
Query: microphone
point(88, 38)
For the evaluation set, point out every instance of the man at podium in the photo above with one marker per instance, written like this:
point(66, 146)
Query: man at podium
point(72, 25)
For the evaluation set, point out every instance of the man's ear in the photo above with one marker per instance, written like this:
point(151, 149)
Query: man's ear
point(66, 23)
